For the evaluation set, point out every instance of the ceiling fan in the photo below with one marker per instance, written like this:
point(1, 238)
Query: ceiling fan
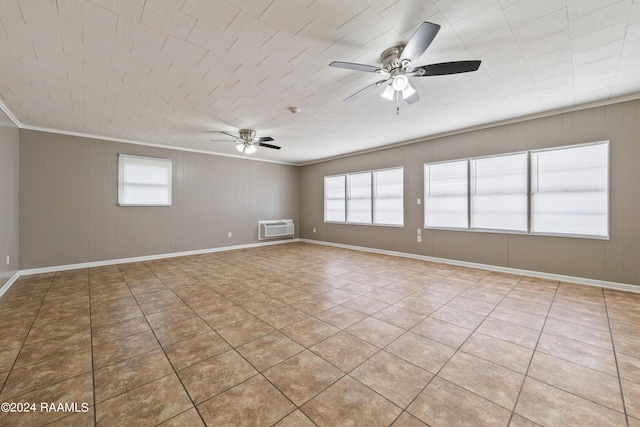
point(248, 143)
point(398, 67)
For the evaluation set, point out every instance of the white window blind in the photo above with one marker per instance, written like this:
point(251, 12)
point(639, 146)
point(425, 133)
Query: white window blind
point(570, 191)
point(388, 202)
point(334, 198)
point(446, 195)
point(144, 181)
point(499, 192)
point(359, 198)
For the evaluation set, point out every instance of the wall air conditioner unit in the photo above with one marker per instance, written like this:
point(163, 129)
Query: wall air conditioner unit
point(275, 228)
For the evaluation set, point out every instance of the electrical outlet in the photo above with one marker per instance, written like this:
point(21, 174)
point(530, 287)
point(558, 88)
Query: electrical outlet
point(314, 229)
point(419, 202)
point(8, 259)
point(419, 239)
point(229, 235)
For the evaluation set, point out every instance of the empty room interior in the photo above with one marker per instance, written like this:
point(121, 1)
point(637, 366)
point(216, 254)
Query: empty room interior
point(320, 213)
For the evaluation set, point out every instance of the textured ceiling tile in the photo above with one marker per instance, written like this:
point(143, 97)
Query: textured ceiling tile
point(380, 5)
point(288, 16)
point(250, 30)
point(218, 13)
point(483, 22)
point(183, 50)
point(541, 28)
point(94, 19)
point(406, 15)
point(336, 13)
point(491, 42)
point(364, 28)
point(166, 15)
point(36, 12)
point(318, 36)
point(149, 70)
point(526, 12)
point(129, 8)
point(545, 45)
point(211, 38)
point(455, 11)
point(600, 19)
point(578, 8)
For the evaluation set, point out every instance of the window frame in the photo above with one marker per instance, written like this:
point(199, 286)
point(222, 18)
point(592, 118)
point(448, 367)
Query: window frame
point(526, 193)
point(427, 189)
point(607, 236)
point(166, 164)
point(371, 199)
point(375, 196)
point(344, 199)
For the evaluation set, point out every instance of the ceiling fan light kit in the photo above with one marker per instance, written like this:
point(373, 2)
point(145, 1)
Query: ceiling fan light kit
point(397, 66)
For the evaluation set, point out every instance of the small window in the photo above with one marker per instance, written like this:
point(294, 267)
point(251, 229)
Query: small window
point(570, 191)
point(334, 198)
point(388, 201)
point(499, 193)
point(144, 181)
point(446, 195)
point(359, 198)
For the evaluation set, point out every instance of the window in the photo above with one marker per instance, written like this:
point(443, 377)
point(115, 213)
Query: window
point(570, 190)
point(372, 197)
point(388, 202)
point(499, 192)
point(446, 195)
point(143, 181)
point(359, 198)
point(334, 198)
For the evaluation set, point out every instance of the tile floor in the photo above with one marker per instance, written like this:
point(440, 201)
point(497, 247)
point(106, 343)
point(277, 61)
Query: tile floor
point(302, 335)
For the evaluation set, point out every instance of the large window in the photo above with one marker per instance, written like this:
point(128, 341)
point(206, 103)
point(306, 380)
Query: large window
point(570, 191)
point(371, 197)
point(562, 191)
point(334, 198)
point(143, 181)
point(446, 189)
point(388, 201)
point(499, 192)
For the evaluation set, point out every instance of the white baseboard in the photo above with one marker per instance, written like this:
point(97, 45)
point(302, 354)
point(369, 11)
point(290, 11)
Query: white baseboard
point(559, 277)
point(56, 268)
point(10, 282)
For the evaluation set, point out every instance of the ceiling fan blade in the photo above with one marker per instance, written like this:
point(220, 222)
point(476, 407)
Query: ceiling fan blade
point(365, 90)
point(356, 67)
point(223, 140)
point(414, 97)
point(445, 68)
point(268, 145)
point(263, 139)
point(420, 41)
point(231, 135)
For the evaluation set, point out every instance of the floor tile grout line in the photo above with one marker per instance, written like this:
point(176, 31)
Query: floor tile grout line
point(533, 353)
point(615, 356)
point(175, 372)
point(35, 317)
point(457, 349)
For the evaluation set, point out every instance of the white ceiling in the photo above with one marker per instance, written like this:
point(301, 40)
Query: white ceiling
point(173, 72)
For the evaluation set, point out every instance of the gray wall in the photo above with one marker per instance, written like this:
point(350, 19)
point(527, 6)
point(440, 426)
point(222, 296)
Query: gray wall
point(613, 260)
point(9, 199)
point(69, 212)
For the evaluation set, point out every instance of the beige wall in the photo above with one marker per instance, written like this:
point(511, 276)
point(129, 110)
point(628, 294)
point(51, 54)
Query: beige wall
point(9, 201)
point(613, 260)
point(69, 212)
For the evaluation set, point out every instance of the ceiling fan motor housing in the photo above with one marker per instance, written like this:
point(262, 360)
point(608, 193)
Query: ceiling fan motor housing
point(247, 135)
point(391, 61)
